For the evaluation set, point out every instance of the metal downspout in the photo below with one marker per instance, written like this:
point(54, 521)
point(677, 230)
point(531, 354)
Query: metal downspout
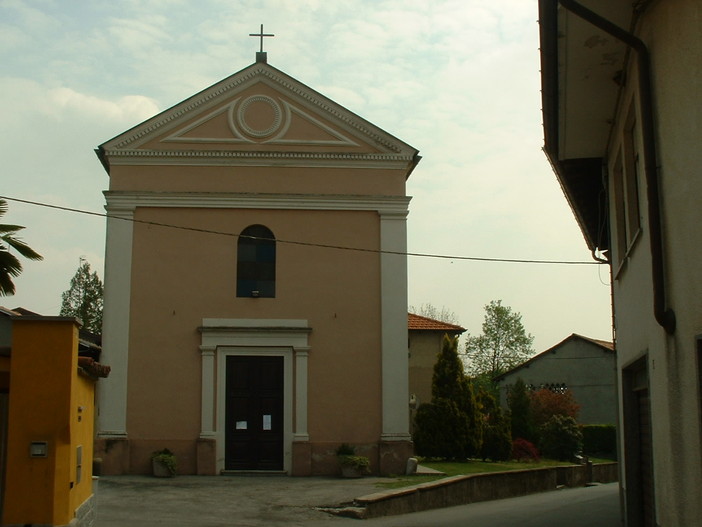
point(664, 315)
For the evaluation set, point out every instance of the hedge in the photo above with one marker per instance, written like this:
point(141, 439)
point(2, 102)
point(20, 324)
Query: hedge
point(600, 440)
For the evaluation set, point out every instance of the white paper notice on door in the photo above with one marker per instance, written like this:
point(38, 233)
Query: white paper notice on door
point(242, 425)
point(267, 422)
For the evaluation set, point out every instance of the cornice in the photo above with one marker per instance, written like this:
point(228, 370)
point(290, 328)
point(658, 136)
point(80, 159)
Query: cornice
point(240, 158)
point(123, 201)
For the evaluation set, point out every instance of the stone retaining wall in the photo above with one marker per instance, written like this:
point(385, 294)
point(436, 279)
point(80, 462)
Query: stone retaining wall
point(459, 490)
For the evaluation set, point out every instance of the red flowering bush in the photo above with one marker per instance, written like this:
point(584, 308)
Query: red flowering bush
point(523, 450)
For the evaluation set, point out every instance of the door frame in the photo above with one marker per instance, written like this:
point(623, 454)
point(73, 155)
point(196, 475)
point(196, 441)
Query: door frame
point(227, 351)
point(254, 337)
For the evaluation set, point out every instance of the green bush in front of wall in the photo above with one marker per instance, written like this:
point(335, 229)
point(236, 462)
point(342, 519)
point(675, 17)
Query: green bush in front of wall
point(600, 440)
point(560, 438)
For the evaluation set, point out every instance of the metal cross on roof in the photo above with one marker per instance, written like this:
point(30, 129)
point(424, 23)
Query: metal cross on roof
point(261, 34)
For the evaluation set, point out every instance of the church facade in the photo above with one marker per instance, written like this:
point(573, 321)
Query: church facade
point(255, 310)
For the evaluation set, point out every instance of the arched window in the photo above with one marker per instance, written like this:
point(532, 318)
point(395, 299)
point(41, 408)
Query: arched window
point(255, 268)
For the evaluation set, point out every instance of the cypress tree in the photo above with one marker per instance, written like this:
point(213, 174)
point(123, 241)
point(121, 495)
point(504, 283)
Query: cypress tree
point(520, 412)
point(449, 426)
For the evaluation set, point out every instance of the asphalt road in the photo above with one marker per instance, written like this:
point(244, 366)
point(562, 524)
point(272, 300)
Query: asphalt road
point(581, 507)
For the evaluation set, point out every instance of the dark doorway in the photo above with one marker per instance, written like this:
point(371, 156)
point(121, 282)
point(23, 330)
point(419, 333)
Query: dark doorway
point(638, 451)
point(254, 413)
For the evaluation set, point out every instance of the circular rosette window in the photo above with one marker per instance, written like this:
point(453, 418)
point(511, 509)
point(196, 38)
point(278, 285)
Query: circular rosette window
point(259, 116)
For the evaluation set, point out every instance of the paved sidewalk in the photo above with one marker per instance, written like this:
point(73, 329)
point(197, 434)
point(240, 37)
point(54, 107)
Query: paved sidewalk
point(219, 501)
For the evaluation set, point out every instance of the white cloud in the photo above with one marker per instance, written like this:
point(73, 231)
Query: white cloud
point(129, 108)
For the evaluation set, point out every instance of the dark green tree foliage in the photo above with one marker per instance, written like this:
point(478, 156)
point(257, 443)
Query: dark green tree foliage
point(560, 438)
point(84, 298)
point(450, 426)
point(441, 430)
point(497, 439)
point(522, 424)
point(10, 266)
point(503, 344)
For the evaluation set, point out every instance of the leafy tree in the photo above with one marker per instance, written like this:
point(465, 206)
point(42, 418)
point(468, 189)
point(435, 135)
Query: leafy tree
point(449, 426)
point(84, 298)
point(431, 311)
point(503, 344)
point(546, 403)
point(522, 424)
point(10, 266)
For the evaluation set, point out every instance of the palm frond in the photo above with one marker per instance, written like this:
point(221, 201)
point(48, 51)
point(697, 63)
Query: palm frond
point(10, 267)
point(4, 228)
point(21, 247)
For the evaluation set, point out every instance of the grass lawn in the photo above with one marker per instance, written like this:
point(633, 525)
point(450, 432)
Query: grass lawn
point(464, 468)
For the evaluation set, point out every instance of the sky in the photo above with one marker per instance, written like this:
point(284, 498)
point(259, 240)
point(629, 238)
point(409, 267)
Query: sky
point(456, 79)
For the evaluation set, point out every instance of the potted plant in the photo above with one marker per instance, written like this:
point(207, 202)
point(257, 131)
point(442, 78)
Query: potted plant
point(164, 463)
point(352, 466)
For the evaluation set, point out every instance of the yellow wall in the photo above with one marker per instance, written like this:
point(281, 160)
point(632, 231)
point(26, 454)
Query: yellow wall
point(45, 394)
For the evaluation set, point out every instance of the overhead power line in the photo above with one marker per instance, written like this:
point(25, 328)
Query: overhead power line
point(306, 244)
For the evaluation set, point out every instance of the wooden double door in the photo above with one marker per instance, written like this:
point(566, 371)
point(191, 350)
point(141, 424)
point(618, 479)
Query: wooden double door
point(254, 420)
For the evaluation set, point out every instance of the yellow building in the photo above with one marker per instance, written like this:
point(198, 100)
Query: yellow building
point(48, 421)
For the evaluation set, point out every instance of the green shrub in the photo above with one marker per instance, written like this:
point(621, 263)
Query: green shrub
point(497, 441)
point(600, 440)
point(441, 430)
point(560, 438)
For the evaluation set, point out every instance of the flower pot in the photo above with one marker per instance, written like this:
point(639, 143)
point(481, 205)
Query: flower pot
point(348, 471)
point(160, 469)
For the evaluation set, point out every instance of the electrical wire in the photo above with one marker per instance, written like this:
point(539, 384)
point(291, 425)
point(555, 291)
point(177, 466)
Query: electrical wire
point(306, 244)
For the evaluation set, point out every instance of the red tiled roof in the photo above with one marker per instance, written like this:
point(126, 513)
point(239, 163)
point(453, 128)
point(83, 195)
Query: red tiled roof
point(426, 323)
point(92, 368)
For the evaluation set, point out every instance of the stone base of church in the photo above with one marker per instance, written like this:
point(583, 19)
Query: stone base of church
point(206, 457)
point(124, 456)
point(319, 459)
point(393, 456)
point(301, 459)
point(113, 455)
point(133, 456)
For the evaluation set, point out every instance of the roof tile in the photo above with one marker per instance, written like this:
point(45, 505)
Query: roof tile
point(426, 323)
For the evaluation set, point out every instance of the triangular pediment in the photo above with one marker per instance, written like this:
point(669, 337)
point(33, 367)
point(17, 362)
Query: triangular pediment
point(252, 117)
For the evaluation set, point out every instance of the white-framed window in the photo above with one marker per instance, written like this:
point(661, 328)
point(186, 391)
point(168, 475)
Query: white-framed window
point(625, 179)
